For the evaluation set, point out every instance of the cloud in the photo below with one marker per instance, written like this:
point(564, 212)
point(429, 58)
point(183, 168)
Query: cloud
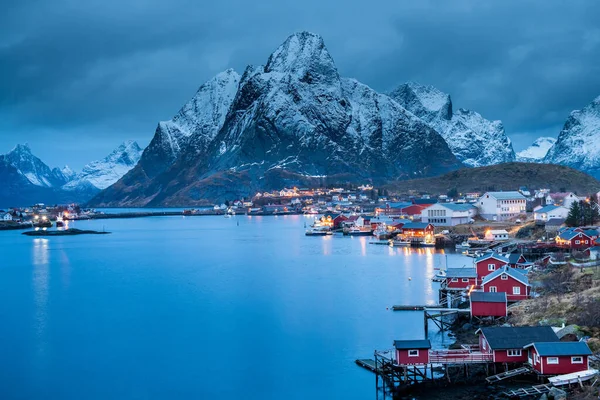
point(113, 69)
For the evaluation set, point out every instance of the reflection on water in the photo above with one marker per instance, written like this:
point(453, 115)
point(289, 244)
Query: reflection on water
point(40, 289)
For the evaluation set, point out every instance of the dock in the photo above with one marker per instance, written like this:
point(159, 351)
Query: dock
point(367, 363)
point(529, 391)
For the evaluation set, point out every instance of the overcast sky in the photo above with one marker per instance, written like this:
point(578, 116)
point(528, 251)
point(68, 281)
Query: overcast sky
point(79, 77)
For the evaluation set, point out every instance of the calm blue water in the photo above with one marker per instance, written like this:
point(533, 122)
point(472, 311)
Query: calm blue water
point(198, 307)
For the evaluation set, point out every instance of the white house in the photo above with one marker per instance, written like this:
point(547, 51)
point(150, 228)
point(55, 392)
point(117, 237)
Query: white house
point(501, 206)
point(543, 214)
point(565, 199)
point(496, 234)
point(448, 214)
point(7, 217)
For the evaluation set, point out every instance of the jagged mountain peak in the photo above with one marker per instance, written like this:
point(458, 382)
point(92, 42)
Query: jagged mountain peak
point(303, 54)
point(21, 148)
point(425, 101)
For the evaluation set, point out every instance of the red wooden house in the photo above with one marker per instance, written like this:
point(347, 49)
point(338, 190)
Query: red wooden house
point(459, 278)
point(413, 210)
point(412, 352)
point(417, 229)
point(518, 260)
point(512, 281)
point(488, 304)
point(574, 238)
point(489, 263)
point(506, 343)
point(558, 358)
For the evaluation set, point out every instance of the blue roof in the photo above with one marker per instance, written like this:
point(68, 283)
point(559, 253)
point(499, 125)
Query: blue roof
point(507, 195)
point(512, 272)
point(412, 344)
point(491, 255)
point(569, 234)
point(415, 225)
point(485, 297)
point(399, 205)
point(562, 349)
point(547, 209)
point(461, 273)
point(458, 206)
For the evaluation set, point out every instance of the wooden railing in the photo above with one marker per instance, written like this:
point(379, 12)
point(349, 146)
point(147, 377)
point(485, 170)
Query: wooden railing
point(458, 356)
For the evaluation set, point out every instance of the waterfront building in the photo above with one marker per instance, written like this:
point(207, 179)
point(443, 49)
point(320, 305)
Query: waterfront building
point(488, 263)
point(411, 352)
point(506, 343)
point(449, 214)
point(512, 281)
point(556, 358)
point(484, 304)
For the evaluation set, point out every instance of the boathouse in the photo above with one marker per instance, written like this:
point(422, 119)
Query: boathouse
point(488, 304)
point(506, 343)
point(412, 352)
point(417, 229)
point(459, 278)
point(558, 358)
point(488, 263)
point(574, 239)
point(512, 281)
point(517, 260)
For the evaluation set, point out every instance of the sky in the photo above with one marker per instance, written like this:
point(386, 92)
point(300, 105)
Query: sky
point(80, 77)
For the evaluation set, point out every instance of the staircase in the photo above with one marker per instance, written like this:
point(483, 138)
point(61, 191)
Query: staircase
point(508, 374)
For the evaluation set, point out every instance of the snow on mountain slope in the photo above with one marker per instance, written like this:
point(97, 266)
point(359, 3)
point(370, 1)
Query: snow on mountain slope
point(537, 151)
point(473, 139)
point(578, 144)
point(103, 173)
point(32, 168)
point(290, 121)
point(195, 125)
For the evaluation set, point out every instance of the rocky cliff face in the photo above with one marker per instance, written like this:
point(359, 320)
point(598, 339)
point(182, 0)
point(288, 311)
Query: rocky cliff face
point(578, 144)
point(537, 151)
point(292, 121)
point(473, 139)
point(34, 169)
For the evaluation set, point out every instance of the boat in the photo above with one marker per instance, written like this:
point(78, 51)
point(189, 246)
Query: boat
point(358, 232)
point(381, 232)
point(382, 242)
point(400, 243)
point(463, 246)
point(575, 377)
point(318, 232)
point(427, 244)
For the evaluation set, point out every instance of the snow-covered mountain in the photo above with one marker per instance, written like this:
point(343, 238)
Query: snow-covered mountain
point(473, 139)
point(537, 151)
point(292, 121)
point(578, 144)
point(103, 173)
point(34, 169)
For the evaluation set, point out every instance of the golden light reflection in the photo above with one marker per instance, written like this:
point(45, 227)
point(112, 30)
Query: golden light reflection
point(40, 287)
point(363, 246)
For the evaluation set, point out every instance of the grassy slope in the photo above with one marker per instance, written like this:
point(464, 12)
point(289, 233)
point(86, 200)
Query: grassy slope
point(508, 176)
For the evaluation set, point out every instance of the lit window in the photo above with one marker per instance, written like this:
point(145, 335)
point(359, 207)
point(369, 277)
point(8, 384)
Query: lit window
point(413, 353)
point(577, 360)
point(516, 290)
point(514, 353)
point(552, 360)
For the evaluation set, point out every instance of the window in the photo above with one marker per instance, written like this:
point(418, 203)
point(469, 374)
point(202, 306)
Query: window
point(577, 360)
point(552, 360)
point(577, 242)
point(491, 267)
point(465, 279)
point(516, 290)
point(493, 289)
point(514, 353)
point(454, 279)
point(413, 353)
point(483, 342)
point(537, 358)
point(504, 277)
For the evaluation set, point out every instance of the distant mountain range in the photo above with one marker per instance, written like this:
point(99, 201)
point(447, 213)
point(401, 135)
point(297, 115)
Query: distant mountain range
point(296, 122)
point(26, 179)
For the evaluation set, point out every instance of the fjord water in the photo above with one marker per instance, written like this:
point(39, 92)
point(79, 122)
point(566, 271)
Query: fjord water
point(204, 308)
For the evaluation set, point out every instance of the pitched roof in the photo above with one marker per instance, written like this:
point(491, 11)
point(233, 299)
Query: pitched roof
point(512, 272)
point(561, 348)
point(461, 273)
point(555, 222)
point(424, 201)
point(415, 225)
point(509, 337)
point(483, 297)
point(458, 206)
point(506, 195)
point(491, 255)
point(513, 258)
point(547, 209)
point(412, 344)
point(571, 234)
